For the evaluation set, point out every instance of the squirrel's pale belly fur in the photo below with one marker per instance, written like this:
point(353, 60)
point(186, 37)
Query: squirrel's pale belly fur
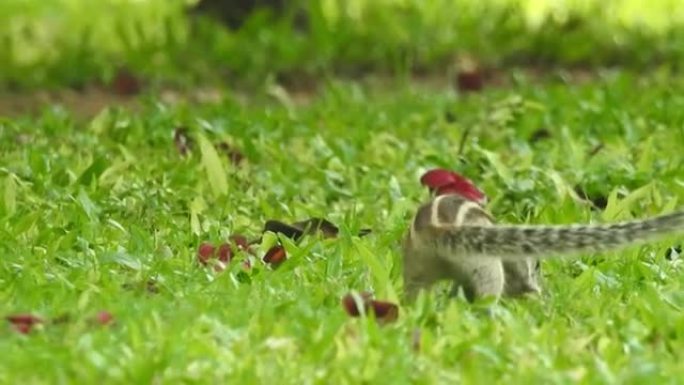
point(452, 238)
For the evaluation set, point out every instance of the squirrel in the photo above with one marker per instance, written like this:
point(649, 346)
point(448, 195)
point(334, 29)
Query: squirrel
point(455, 238)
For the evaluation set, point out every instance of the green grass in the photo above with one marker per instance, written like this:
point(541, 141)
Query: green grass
point(56, 43)
point(92, 211)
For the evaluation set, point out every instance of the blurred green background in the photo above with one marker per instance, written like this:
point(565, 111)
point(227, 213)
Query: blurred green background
point(74, 42)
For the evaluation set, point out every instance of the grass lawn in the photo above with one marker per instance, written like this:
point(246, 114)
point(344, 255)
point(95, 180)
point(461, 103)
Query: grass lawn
point(101, 220)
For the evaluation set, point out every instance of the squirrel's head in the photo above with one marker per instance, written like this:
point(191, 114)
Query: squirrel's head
point(441, 182)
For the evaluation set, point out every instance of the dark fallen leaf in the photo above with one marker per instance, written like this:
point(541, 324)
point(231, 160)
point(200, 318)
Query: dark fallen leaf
point(24, 323)
point(469, 80)
point(182, 141)
point(540, 134)
point(275, 226)
point(673, 253)
point(275, 256)
point(205, 253)
point(349, 302)
point(233, 154)
point(125, 83)
point(384, 312)
point(315, 225)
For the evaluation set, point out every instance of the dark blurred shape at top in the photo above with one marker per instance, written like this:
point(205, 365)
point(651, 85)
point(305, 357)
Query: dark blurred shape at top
point(234, 13)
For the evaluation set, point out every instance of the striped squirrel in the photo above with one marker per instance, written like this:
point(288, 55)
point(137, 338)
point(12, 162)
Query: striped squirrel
point(454, 238)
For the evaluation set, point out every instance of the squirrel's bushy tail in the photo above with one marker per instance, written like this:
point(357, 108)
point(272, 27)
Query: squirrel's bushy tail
point(522, 241)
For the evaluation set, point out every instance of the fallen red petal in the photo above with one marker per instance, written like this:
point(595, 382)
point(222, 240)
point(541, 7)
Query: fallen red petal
point(205, 252)
point(350, 305)
point(225, 253)
point(385, 311)
point(23, 328)
point(104, 318)
point(241, 242)
point(125, 83)
point(23, 323)
point(28, 319)
point(275, 255)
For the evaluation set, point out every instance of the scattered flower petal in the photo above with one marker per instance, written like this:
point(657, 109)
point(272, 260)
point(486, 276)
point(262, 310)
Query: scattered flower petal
point(242, 243)
point(383, 311)
point(351, 306)
point(275, 256)
point(104, 317)
point(125, 83)
point(225, 253)
point(23, 323)
point(205, 253)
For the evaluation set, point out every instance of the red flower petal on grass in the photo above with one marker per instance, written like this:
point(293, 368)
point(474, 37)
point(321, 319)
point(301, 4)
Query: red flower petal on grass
point(241, 242)
point(104, 317)
point(205, 253)
point(383, 311)
point(225, 252)
point(350, 305)
point(23, 323)
point(125, 83)
point(275, 256)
